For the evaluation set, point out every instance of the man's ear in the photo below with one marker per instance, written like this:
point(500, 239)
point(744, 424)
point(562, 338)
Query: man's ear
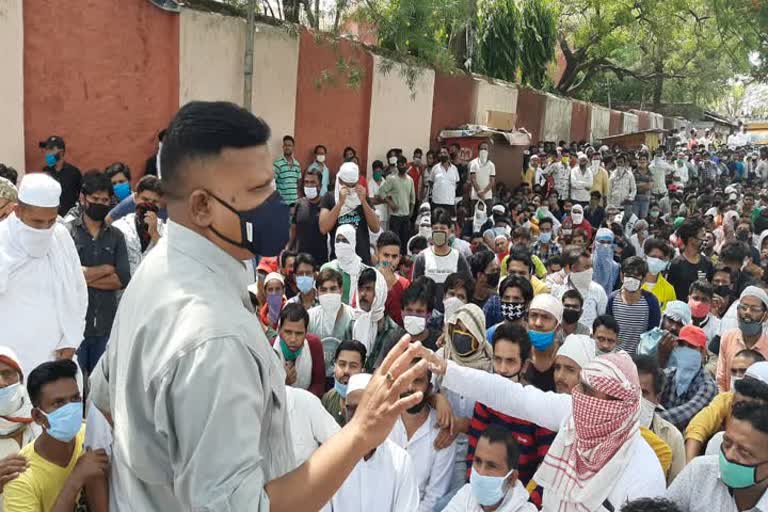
point(512, 478)
point(39, 417)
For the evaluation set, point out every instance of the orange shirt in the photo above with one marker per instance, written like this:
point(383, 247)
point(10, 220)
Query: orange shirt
point(731, 343)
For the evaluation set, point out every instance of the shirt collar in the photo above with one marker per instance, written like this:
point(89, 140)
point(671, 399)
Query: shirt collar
point(205, 252)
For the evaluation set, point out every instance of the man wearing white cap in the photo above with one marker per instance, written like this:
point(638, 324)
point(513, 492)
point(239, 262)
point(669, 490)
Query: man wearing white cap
point(752, 312)
point(576, 352)
point(545, 315)
point(384, 480)
point(581, 180)
point(43, 294)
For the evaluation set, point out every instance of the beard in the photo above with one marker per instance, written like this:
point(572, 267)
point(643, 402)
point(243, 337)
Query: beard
point(419, 406)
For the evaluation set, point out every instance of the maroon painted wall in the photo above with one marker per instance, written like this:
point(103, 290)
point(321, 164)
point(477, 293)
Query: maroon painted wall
point(644, 120)
point(104, 75)
point(581, 117)
point(452, 103)
point(615, 126)
point(334, 114)
point(531, 107)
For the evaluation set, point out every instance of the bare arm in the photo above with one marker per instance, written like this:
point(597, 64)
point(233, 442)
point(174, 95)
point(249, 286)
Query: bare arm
point(328, 217)
point(692, 449)
point(95, 273)
point(370, 216)
point(108, 282)
point(91, 467)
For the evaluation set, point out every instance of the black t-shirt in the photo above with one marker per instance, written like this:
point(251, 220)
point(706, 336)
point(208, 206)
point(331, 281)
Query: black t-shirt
point(71, 180)
point(682, 273)
point(306, 217)
point(544, 381)
point(357, 219)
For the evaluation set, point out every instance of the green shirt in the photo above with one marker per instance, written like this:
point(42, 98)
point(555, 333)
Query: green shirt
point(332, 402)
point(386, 338)
point(287, 176)
point(402, 192)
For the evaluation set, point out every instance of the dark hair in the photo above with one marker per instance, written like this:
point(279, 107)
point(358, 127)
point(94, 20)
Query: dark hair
point(377, 164)
point(417, 244)
point(350, 148)
point(294, 312)
point(285, 138)
point(479, 261)
point(150, 183)
point(200, 130)
point(352, 346)
point(554, 260)
point(118, 168)
point(422, 289)
point(546, 220)
point(607, 321)
point(388, 238)
point(522, 255)
point(702, 286)
point(749, 353)
point(441, 216)
point(402, 160)
point(9, 173)
point(649, 364)
point(284, 257)
point(734, 251)
point(635, 265)
point(367, 276)
point(329, 274)
point(574, 294)
point(751, 387)
point(514, 333)
point(656, 243)
point(572, 253)
point(320, 146)
point(753, 412)
point(515, 281)
point(496, 433)
point(303, 258)
point(689, 229)
point(48, 372)
point(460, 280)
point(650, 505)
point(96, 181)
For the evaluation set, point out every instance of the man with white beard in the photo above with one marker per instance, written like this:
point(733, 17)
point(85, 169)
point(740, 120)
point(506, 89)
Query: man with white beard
point(43, 294)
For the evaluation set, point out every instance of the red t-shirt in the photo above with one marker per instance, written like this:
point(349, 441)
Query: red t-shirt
point(393, 305)
point(415, 173)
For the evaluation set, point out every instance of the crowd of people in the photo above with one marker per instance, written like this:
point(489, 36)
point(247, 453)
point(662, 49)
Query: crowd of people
point(237, 332)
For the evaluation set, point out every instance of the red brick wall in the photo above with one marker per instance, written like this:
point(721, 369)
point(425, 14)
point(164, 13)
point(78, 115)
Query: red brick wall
point(615, 126)
point(644, 120)
point(102, 74)
point(335, 115)
point(531, 107)
point(580, 120)
point(452, 104)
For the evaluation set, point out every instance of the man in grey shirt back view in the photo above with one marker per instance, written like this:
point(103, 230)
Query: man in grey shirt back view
point(194, 391)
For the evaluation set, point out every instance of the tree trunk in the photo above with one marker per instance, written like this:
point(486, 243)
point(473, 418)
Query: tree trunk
point(291, 10)
point(658, 83)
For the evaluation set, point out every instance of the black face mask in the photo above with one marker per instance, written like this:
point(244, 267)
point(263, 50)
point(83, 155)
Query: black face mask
point(444, 158)
point(263, 230)
point(401, 170)
point(97, 212)
point(723, 291)
point(462, 343)
point(571, 316)
point(493, 279)
point(742, 235)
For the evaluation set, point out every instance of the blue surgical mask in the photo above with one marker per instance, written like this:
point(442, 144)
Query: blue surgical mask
point(8, 394)
point(65, 422)
point(51, 159)
point(545, 237)
point(687, 360)
point(541, 341)
point(122, 190)
point(340, 388)
point(263, 230)
point(487, 490)
point(305, 284)
point(656, 265)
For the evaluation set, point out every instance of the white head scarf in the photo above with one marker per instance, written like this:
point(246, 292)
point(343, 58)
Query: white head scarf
point(16, 408)
point(366, 326)
point(578, 347)
point(350, 173)
point(549, 304)
point(349, 261)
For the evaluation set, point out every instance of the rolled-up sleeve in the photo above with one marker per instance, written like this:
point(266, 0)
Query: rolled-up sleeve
point(211, 407)
point(546, 409)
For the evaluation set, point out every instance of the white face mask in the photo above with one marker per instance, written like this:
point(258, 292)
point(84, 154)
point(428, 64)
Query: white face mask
point(345, 253)
point(450, 306)
point(330, 302)
point(35, 242)
point(310, 192)
point(577, 218)
point(582, 279)
point(647, 409)
point(631, 284)
point(483, 155)
point(414, 325)
point(320, 158)
point(392, 160)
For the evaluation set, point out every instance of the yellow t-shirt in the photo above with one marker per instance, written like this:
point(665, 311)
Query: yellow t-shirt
point(36, 489)
point(662, 290)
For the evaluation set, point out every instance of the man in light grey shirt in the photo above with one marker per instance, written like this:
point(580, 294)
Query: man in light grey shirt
point(194, 390)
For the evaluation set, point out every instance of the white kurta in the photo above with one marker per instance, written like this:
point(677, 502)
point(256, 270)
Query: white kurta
point(311, 424)
point(433, 468)
point(642, 476)
point(30, 313)
point(383, 483)
point(516, 500)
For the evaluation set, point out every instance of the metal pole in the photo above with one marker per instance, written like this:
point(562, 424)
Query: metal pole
point(248, 64)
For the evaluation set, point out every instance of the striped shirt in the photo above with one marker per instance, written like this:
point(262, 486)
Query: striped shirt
point(632, 320)
point(287, 175)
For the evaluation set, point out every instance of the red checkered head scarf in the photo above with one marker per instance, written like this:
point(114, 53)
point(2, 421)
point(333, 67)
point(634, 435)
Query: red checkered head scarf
point(594, 446)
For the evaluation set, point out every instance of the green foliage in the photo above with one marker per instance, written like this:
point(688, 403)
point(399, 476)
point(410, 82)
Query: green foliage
point(539, 38)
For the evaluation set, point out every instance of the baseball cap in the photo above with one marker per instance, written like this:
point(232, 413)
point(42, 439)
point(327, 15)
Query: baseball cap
point(267, 265)
point(694, 336)
point(53, 142)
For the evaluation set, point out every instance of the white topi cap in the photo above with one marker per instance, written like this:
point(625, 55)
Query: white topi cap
point(358, 382)
point(41, 190)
